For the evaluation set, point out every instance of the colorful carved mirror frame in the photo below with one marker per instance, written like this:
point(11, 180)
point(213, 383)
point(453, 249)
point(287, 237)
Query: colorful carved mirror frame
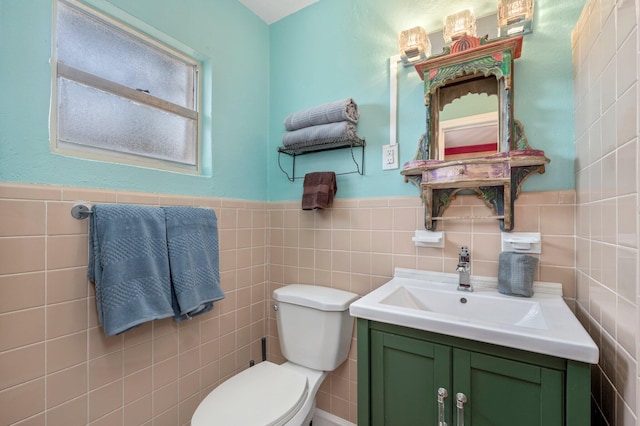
point(473, 65)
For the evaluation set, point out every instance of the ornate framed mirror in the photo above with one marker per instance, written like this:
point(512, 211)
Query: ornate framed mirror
point(468, 94)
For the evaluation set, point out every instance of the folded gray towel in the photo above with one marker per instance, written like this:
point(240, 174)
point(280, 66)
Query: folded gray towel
point(317, 135)
point(342, 110)
point(515, 273)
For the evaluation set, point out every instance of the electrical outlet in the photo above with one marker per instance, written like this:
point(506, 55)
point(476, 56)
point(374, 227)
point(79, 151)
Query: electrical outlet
point(389, 157)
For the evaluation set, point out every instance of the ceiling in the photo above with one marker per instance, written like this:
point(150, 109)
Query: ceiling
point(428, 14)
point(272, 10)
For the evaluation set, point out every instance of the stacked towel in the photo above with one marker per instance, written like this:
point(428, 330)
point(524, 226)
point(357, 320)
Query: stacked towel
point(149, 263)
point(192, 236)
point(322, 124)
point(333, 112)
point(129, 265)
point(320, 134)
point(318, 190)
point(515, 273)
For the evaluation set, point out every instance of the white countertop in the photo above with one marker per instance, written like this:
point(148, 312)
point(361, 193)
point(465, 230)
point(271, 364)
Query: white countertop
point(430, 301)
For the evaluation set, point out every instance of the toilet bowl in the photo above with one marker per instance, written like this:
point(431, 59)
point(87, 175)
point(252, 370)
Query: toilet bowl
point(315, 332)
point(267, 394)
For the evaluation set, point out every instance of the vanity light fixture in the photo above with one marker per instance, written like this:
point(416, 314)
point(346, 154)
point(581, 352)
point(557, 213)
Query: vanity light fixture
point(414, 45)
point(458, 25)
point(515, 17)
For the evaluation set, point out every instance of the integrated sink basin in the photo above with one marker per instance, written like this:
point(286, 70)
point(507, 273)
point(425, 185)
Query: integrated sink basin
point(430, 301)
point(469, 306)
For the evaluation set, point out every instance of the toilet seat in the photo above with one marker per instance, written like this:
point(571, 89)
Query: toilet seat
point(264, 395)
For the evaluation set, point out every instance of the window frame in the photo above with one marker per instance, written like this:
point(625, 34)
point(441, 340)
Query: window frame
point(132, 28)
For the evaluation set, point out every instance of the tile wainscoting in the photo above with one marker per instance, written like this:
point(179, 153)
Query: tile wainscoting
point(57, 367)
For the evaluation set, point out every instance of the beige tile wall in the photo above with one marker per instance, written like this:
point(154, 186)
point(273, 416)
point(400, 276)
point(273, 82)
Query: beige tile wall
point(605, 50)
point(56, 365)
point(356, 245)
point(58, 368)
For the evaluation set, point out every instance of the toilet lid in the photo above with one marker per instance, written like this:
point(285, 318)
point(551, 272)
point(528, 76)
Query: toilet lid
point(263, 395)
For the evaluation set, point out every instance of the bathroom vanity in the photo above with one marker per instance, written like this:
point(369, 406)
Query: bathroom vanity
point(401, 370)
point(431, 355)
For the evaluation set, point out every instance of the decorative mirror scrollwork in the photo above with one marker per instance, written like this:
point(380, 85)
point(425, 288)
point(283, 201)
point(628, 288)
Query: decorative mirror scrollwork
point(469, 67)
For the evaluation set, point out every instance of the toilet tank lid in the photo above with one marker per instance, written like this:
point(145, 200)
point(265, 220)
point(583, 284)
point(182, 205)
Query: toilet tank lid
point(317, 297)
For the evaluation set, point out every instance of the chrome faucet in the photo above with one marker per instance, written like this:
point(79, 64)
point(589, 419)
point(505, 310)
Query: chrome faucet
point(464, 270)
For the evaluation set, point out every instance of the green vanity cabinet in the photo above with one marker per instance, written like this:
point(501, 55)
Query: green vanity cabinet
point(507, 392)
point(400, 371)
point(406, 374)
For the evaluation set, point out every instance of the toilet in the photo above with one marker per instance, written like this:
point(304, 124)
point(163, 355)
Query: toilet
point(315, 330)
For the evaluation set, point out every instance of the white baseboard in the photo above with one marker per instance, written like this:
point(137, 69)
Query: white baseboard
point(322, 418)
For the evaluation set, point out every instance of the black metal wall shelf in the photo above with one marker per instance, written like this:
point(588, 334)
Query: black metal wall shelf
point(343, 144)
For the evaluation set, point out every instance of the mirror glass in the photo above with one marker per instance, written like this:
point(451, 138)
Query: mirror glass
point(468, 127)
point(466, 118)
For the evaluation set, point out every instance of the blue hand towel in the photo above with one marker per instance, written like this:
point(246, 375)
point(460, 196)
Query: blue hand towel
point(129, 266)
point(515, 273)
point(192, 236)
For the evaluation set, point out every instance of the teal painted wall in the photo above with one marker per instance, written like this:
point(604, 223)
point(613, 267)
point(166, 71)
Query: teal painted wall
point(259, 74)
point(234, 44)
point(337, 48)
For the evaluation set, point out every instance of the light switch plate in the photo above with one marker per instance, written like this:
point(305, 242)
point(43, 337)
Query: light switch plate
point(389, 157)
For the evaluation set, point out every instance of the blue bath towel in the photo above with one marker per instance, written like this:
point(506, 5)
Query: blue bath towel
point(192, 236)
point(129, 265)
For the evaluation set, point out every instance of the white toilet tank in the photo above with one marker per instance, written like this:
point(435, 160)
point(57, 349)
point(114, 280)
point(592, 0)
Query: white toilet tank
point(314, 325)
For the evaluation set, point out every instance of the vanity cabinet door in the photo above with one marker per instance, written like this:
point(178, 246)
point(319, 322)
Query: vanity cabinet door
point(401, 369)
point(405, 376)
point(502, 392)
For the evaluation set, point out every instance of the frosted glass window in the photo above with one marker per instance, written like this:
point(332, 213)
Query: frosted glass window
point(122, 94)
point(121, 125)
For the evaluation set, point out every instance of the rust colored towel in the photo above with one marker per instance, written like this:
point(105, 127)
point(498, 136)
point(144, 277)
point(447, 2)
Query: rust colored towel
point(318, 190)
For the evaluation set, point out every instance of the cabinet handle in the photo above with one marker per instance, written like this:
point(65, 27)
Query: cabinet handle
point(442, 394)
point(461, 399)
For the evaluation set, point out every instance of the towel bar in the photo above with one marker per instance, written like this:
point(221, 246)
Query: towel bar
point(81, 210)
point(340, 144)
